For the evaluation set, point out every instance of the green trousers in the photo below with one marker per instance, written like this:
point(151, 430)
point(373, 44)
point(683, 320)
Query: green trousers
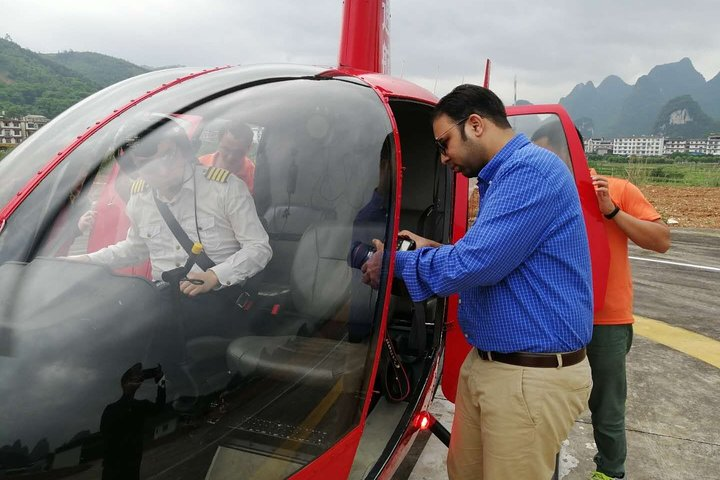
point(606, 352)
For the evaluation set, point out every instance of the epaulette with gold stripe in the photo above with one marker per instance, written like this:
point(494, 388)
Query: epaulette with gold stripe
point(138, 186)
point(217, 174)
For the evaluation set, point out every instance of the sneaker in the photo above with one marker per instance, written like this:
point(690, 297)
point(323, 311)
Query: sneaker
point(601, 476)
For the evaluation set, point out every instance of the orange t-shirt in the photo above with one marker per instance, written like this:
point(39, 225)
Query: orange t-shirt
point(618, 307)
point(246, 172)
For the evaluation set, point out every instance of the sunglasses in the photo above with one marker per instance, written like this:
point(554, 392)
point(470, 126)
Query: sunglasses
point(441, 142)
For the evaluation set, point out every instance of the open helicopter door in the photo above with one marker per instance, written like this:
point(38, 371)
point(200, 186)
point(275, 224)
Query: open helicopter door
point(551, 127)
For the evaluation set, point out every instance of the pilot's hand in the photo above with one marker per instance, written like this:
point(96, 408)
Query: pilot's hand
point(603, 195)
point(209, 279)
point(87, 221)
point(372, 269)
point(420, 242)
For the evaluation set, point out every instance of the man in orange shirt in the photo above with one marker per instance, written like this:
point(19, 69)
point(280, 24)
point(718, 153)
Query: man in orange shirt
point(628, 215)
point(235, 142)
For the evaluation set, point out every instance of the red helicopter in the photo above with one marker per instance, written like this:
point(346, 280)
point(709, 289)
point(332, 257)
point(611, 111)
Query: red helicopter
point(340, 156)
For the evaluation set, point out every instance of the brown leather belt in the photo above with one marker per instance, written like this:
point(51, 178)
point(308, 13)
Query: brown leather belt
point(538, 360)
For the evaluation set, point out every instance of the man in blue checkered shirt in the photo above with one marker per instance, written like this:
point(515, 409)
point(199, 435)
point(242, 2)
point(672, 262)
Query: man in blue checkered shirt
point(524, 279)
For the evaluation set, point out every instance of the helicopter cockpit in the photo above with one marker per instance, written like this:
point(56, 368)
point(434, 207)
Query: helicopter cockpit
point(292, 376)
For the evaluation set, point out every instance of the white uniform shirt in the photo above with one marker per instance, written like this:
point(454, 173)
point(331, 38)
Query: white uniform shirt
point(227, 224)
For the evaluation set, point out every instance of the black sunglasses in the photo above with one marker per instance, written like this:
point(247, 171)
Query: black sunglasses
point(441, 143)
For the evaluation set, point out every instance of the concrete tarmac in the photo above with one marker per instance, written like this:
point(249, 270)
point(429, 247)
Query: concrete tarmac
point(673, 406)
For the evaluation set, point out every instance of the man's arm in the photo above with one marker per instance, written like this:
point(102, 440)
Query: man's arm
point(644, 233)
point(127, 252)
point(513, 220)
point(249, 232)
point(649, 234)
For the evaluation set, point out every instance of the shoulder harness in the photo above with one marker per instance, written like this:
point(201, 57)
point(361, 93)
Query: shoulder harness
point(217, 174)
point(138, 186)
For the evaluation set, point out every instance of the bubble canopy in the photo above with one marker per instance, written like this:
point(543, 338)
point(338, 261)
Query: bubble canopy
point(285, 375)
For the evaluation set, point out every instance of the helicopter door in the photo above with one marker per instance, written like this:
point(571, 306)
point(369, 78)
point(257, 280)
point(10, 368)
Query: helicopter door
point(551, 127)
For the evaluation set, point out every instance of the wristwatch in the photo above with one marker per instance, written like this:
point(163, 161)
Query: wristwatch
point(612, 214)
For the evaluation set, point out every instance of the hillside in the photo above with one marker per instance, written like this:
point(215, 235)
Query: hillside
point(683, 117)
point(30, 83)
point(102, 70)
point(615, 109)
point(49, 83)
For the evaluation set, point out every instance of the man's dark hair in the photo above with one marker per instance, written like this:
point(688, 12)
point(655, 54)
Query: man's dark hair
point(146, 142)
point(240, 131)
point(554, 133)
point(467, 99)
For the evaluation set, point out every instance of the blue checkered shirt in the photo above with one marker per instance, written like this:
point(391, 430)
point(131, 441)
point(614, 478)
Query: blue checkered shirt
point(523, 269)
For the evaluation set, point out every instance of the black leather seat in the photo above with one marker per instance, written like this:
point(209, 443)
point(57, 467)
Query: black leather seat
point(320, 287)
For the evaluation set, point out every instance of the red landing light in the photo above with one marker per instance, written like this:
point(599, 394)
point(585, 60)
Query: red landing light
point(422, 421)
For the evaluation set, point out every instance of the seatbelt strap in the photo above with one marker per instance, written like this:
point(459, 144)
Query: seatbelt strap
point(201, 259)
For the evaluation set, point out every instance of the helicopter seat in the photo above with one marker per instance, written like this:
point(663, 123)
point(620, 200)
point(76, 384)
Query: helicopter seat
point(285, 225)
point(320, 288)
point(310, 361)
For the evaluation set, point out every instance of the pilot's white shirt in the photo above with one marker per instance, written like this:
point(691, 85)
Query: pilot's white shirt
point(227, 223)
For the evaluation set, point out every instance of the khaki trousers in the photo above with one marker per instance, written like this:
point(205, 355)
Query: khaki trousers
point(510, 421)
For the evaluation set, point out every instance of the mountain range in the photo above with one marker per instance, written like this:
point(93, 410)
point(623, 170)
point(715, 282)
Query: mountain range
point(672, 100)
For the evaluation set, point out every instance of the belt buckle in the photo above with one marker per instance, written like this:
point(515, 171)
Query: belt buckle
point(242, 300)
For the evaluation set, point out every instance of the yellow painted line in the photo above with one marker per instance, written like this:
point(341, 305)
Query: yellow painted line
point(274, 469)
point(696, 345)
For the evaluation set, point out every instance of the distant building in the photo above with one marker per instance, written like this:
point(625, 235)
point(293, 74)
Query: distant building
point(713, 145)
point(640, 146)
point(675, 145)
point(653, 146)
point(15, 130)
point(599, 146)
point(694, 146)
point(697, 146)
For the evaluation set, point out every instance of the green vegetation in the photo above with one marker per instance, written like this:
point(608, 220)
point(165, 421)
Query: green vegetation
point(100, 69)
point(32, 84)
point(679, 169)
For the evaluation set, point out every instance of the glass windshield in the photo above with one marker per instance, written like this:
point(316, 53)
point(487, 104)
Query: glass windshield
point(546, 131)
point(181, 296)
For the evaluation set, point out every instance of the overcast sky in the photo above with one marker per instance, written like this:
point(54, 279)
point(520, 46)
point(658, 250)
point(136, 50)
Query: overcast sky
point(550, 46)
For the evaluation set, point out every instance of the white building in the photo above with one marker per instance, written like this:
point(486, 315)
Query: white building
point(697, 146)
point(675, 145)
point(654, 146)
point(713, 145)
point(599, 146)
point(640, 146)
point(15, 130)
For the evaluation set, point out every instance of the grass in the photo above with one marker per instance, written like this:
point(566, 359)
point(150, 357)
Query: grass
point(641, 171)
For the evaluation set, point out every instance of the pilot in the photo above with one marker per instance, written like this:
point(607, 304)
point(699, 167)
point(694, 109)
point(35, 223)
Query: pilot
point(235, 142)
point(183, 214)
